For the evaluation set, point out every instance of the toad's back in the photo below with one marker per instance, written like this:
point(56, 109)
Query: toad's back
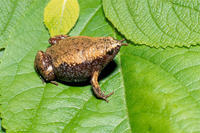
point(73, 50)
point(76, 58)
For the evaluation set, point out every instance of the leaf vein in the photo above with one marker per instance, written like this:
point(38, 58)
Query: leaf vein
point(154, 20)
point(133, 19)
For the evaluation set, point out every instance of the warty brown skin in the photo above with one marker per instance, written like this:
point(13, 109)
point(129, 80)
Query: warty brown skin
point(76, 59)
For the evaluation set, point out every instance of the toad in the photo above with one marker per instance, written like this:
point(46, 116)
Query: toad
point(77, 59)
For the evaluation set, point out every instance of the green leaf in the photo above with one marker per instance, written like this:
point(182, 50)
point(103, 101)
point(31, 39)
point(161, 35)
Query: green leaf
point(11, 14)
point(162, 89)
point(60, 16)
point(1, 54)
point(27, 105)
point(157, 23)
point(1, 130)
point(156, 90)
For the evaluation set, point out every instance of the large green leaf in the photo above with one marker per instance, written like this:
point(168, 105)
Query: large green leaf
point(12, 13)
point(156, 90)
point(27, 105)
point(156, 22)
point(162, 89)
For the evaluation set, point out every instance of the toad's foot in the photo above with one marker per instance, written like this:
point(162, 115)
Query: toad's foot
point(54, 82)
point(96, 87)
point(56, 39)
point(104, 97)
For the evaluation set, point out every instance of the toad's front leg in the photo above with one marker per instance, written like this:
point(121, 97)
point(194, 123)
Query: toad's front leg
point(96, 87)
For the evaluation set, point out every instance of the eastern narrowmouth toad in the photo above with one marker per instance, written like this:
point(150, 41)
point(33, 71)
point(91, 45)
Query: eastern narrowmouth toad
point(76, 59)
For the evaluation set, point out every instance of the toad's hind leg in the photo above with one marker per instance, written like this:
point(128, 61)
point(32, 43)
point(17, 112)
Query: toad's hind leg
point(96, 87)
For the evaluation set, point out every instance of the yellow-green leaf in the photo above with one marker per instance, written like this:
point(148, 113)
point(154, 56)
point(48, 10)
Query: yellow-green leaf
point(60, 16)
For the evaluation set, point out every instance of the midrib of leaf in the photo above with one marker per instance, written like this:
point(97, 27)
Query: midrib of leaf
point(62, 11)
point(124, 90)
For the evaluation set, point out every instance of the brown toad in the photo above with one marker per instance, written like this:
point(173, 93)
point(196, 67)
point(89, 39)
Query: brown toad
point(76, 59)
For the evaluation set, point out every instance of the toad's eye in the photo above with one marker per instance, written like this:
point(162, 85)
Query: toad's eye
point(110, 52)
